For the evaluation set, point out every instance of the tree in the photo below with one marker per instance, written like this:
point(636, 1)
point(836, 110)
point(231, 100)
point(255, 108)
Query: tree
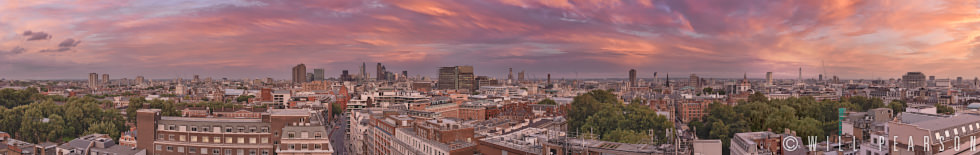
point(758, 97)
point(336, 109)
point(548, 101)
point(943, 109)
point(637, 101)
point(707, 90)
point(602, 115)
point(107, 128)
point(897, 107)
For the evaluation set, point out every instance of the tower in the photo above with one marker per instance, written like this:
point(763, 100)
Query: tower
point(93, 80)
point(299, 74)
point(510, 74)
point(768, 78)
point(380, 73)
point(633, 78)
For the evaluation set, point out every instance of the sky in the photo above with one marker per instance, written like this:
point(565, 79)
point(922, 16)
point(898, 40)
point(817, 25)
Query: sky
point(55, 39)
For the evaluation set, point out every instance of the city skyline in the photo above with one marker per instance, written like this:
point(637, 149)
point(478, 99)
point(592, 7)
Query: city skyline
point(568, 39)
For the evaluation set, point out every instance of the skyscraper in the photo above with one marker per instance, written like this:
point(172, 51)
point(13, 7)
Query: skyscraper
point(768, 78)
point(633, 78)
point(380, 72)
point(364, 74)
point(458, 77)
point(510, 75)
point(93, 80)
point(299, 74)
point(344, 76)
point(105, 79)
point(520, 76)
point(694, 81)
point(549, 78)
point(197, 78)
point(318, 74)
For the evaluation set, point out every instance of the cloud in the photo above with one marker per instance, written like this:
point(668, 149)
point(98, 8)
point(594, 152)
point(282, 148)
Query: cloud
point(66, 45)
point(15, 50)
point(69, 43)
point(32, 36)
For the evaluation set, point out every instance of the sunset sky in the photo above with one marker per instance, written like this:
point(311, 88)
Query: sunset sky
point(42, 39)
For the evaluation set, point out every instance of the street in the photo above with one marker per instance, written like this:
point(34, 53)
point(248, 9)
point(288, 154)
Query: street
point(337, 135)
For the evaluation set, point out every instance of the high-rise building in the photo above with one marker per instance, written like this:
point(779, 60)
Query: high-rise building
point(364, 74)
point(520, 76)
point(458, 77)
point(549, 78)
point(769, 78)
point(318, 74)
point(820, 77)
point(380, 72)
point(405, 74)
point(633, 78)
point(309, 77)
point(694, 81)
point(299, 74)
point(959, 80)
point(197, 78)
point(914, 80)
point(344, 76)
point(105, 79)
point(800, 79)
point(932, 78)
point(93, 80)
point(510, 75)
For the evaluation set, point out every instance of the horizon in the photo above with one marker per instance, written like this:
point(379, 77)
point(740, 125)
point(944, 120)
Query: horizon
point(577, 39)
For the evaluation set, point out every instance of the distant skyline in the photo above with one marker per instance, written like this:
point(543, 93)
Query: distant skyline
point(567, 38)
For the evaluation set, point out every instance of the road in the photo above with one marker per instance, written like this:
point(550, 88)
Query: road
point(337, 135)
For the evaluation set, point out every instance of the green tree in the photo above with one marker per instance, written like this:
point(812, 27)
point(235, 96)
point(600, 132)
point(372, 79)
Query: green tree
point(897, 107)
point(548, 101)
point(107, 128)
point(943, 109)
point(758, 97)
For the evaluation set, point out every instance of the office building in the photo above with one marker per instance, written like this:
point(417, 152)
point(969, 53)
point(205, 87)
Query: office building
point(752, 143)
point(633, 78)
point(940, 130)
point(380, 72)
point(318, 74)
point(768, 78)
point(197, 78)
point(105, 80)
point(345, 76)
point(694, 81)
point(510, 75)
point(914, 80)
point(520, 76)
point(139, 80)
point(93, 80)
point(299, 74)
point(277, 131)
point(458, 77)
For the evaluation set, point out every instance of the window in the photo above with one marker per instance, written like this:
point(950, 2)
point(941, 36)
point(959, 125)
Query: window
point(229, 140)
point(170, 149)
point(251, 152)
point(265, 129)
point(183, 138)
point(241, 129)
point(292, 146)
point(265, 140)
point(241, 140)
point(205, 139)
point(172, 127)
point(205, 129)
point(265, 152)
point(217, 139)
point(158, 147)
point(193, 138)
point(170, 137)
point(194, 128)
point(204, 150)
point(252, 129)
point(228, 129)
point(228, 151)
point(241, 152)
point(192, 149)
point(317, 135)
point(316, 146)
point(180, 149)
point(252, 140)
point(216, 151)
point(304, 146)
point(291, 135)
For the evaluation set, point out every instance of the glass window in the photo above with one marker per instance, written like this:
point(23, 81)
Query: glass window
point(217, 139)
point(291, 135)
point(204, 150)
point(193, 138)
point(317, 135)
point(228, 151)
point(193, 128)
point(229, 140)
point(252, 140)
point(170, 148)
point(241, 140)
point(251, 152)
point(158, 147)
point(304, 146)
point(216, 151)
point(180, 149)
point(205, 139)
point(228, 129)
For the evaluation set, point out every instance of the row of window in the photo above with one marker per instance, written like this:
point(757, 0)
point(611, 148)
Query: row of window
point(206, 139)
point(304, 135)
point(217, 128)
point(302, 146)
point(194, 150)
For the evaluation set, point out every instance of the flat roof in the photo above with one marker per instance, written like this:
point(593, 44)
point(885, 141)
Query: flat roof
point(207, 119)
